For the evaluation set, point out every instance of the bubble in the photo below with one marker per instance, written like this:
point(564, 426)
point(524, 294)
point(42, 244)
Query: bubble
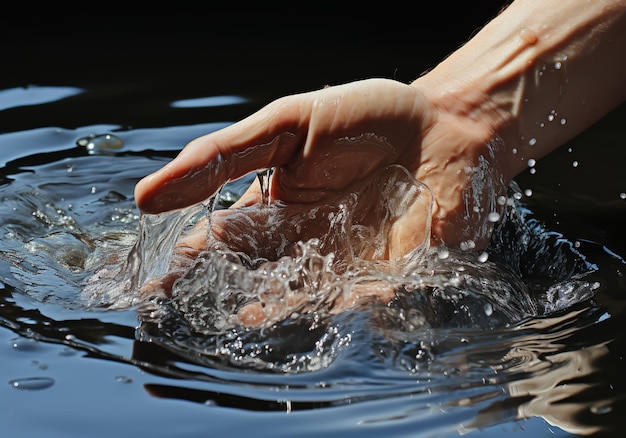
point(443, 253)
point(622, 195)
point(531, 162)
point(528, 192)
point(483, 257)
point(563, 121)
point(574, 163)
point(32, 383)
point(532, 141)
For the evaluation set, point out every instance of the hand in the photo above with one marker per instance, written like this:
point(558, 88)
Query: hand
point(321, 143)
point(351, 154)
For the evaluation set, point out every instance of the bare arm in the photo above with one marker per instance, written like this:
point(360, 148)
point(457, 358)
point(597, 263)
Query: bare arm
point(537, 75)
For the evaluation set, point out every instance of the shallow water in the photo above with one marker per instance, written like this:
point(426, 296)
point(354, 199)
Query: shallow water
point(529, 341)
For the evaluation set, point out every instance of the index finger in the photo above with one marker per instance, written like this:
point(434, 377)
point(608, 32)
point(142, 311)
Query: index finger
point(267, 138)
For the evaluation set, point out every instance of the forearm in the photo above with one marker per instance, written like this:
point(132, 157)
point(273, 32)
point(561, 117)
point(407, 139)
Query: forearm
point(536, 75)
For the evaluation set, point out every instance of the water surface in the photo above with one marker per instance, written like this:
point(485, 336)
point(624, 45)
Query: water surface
point(529, 341)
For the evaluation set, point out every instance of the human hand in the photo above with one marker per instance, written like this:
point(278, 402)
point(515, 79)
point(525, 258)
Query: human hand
point(321, 143)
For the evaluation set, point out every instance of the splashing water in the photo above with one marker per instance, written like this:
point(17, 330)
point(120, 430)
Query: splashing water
point(261, 274)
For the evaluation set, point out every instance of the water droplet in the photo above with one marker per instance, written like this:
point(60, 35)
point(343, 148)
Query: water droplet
point(483, 257)
point(599, 410)
point(23, 344)
point(501, 200)
point(488, 309)
point(532, 141)
point(622, 195)
point(93, 189)
point(531, 162)
point(32, 383)
point(574, 163)
point(557, 65)
point(528, 192)
point(39, 365)
point(100, 143)
point(494, 216)
point(467, 245)
point(123, 379)
point(514, 151)
point(67, 351)
point(264, 178)
point(443, 253)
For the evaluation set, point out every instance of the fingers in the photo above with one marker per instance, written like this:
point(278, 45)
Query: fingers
point(322, 140)
point(265, 139)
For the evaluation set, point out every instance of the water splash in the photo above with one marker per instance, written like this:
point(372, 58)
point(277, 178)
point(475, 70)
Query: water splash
point(264, 177)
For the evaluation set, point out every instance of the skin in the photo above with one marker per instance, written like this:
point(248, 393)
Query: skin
point(530, 80)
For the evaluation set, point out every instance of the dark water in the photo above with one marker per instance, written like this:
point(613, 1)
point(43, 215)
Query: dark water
point(530, 342)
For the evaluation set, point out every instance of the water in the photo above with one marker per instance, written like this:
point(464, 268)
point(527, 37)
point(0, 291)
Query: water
point(525, 339)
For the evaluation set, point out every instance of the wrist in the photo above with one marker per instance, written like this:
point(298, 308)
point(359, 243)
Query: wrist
point(531, 82)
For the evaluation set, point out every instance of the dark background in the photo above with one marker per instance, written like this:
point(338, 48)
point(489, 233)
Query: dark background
point(232, 46)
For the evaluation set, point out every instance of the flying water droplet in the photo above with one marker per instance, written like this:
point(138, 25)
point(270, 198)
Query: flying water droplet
point(494, 216)
point(488, 309)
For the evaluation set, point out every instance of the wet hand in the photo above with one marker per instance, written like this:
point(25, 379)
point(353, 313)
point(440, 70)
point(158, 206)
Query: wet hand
point(323, 142)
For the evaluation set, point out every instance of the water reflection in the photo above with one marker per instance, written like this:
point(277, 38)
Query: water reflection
point(34, 95)
point(530, 332)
